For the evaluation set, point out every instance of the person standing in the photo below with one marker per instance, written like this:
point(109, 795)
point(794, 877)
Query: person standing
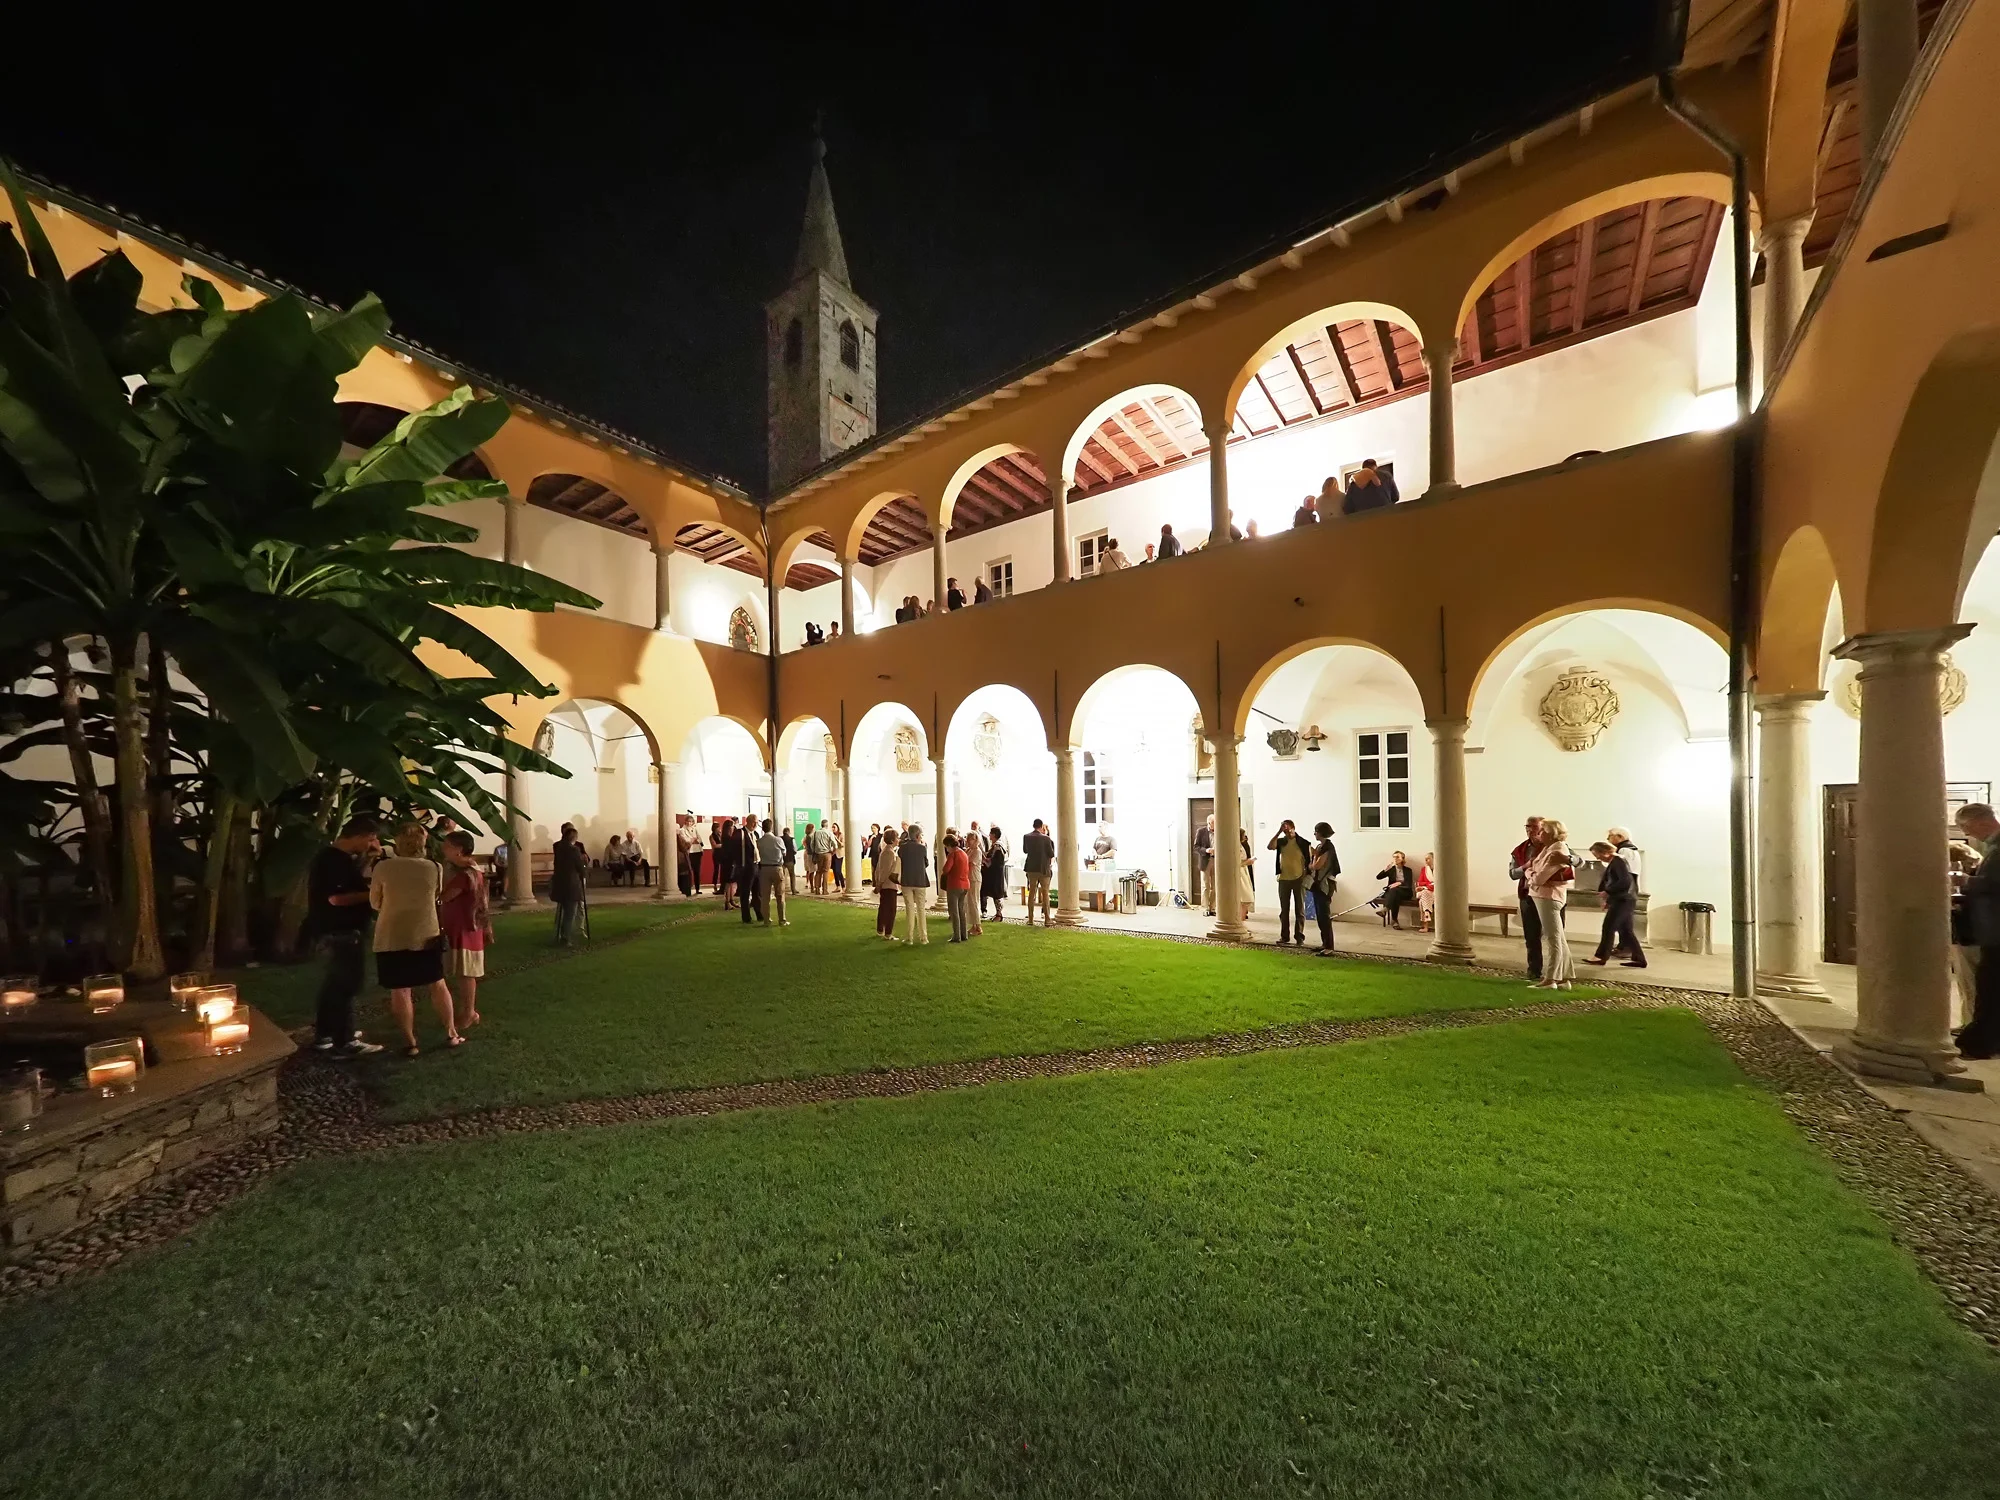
point(772, 869)
point(1551, 873)
point(1531, 917)
point(790, 847)
point(1306, 514)
point(1170, 545)
point(993, 875)
point(1038, 854)
point(1325, 876)
point(836, 846)
point(888, 892)
point(467, 921)
point(685, 856)
point(954, 596)
point(569, 868)
point(974, 846)
point(745, 856)
point(981, 594)
point(338, 914)
point(1113, 559)
point(915, 872)
point(409, 946)
point(722, 852)
point(957, 875)
point(1204, 848)
point(1620, 890)
point(1620, 839)
point(1980, 1038)
point(1294, 858)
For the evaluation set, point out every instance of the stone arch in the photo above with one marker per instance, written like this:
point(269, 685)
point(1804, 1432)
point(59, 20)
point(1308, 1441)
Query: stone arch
point(530, 725)
point(972, 466)
point(1710, 185)
point(586, 499)
point(1263, 674)
point(1069, 730)
point(1793, 619)
point(608, 795)
point(1318, 323)
point(1940, 492)
point(1494, 653)
point(850, 545)
point(878, 718)
point(754, 731)
point(692, 535)
point(1147, 396)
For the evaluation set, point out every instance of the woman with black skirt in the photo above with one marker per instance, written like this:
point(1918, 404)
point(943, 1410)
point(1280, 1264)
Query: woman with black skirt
point(993, 879)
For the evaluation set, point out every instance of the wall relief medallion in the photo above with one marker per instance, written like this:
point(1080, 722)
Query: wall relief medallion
point(909, 754)
point(545, 739)
point(1579, 707)
point(1284, 743)
point(743, 629)
point(1951, 688)
point(986, 742)
point(1204, 750)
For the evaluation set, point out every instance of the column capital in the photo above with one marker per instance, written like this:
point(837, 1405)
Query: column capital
point(1901, 648)
point(1063, 752)
point(1448, 728)
point(1214, 428)
point(1785, 705)
point(1776, 231)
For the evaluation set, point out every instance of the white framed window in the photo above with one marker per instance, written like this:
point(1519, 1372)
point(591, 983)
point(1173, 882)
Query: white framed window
point(1090, 552)
point(1000, 577)
point(1096, 789)
point(1382, 776)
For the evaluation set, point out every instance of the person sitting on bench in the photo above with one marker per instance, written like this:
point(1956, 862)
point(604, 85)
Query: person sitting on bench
point(1399, 892)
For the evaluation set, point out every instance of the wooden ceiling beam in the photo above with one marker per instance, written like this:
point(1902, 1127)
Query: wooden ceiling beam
point(1586, 260)
point(1349, 392)
point(1111, 450)
point(1642, 255)
point(1124, 425)
point(1385, 340)
point(1083, 457)
point(1167, 428)
point(1022, 488)
point(1305, 380)
point(1474, 340)
point(1276, 410)
point(1524, 302)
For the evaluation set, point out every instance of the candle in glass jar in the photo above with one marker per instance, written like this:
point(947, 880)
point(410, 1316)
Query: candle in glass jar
point(114, 1075)
point(20, 1100)
point(103, 992)
point(228, 1036)
point(17, 992)
point(184, 988)
point(214, 1007)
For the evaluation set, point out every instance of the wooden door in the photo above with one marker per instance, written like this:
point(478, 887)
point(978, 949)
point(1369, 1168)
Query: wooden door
point(1842, 805)
point(1199, 810)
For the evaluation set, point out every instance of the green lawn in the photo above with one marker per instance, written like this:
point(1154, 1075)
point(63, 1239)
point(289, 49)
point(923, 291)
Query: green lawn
point(714, 1002)
point(1563, 1257)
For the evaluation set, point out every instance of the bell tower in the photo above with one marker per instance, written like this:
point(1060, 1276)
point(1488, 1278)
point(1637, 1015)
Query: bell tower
point(819, 350)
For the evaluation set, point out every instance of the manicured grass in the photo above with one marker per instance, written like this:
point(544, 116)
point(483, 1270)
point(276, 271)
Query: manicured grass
point(287, 992)
point(714, 1002)
point(1564, 1257)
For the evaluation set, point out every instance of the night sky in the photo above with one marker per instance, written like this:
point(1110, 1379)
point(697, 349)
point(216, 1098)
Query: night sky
point(597, 214)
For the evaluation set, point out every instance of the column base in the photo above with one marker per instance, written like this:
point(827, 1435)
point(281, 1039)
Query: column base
point(1063, 918)
point(1442, 952)
point(1796, 986)
point(1897, 1062)
point(1229, 932)
point(1439, 491)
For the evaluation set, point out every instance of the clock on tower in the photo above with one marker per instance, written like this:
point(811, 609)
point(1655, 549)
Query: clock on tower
point(819, 343)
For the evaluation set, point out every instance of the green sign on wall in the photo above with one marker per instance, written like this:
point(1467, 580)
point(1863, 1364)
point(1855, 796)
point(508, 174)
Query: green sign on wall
point(800, 817)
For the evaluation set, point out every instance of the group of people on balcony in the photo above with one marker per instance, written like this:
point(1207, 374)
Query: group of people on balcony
point(818, 637)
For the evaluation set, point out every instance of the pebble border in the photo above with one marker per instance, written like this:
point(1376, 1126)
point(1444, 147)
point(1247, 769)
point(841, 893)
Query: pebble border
point(1935, 1211)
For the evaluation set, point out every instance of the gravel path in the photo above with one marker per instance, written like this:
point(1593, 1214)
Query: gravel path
point(1935, 1211)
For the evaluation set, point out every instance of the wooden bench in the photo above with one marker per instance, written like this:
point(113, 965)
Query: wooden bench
point(1506, 914)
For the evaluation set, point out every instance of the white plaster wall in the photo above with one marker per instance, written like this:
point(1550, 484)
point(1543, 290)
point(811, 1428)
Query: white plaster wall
point(609, 789)
point(1020, 787)
point(721, 770)
point(1141, 724)
point(883, 794)
point(811, 778)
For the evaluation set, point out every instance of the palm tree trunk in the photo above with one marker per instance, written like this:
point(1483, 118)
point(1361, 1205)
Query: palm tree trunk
point(160, 761)
point(222, 816)
point(89, 797)
point(140, 911)
point(234, 942)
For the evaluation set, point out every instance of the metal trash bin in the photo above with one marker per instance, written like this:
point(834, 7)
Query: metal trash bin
point(1697, 927)
point(1128, 892)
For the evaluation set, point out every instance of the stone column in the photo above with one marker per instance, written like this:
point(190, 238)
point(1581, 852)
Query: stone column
point(1059, 513)
point(850, 869)
point(1788, 857)
point(1451, 943)
point(1229, 924)
point(520, 875)
point(666, 863)
point(510, 530)
point(1886, 31)
point(846, 596)
point(663, 588)
point(937, 838)
point(1069, 866)
point(1782, 243)
point(1444, 427)
point(1218, 483)
point(937, 565)
point(1903, 988)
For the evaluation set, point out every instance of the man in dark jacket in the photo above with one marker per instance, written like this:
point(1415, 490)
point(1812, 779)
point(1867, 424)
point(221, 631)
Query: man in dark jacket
point(1531, 917)
point(1170, 545)
point(1620, 889)
point(1294, 860)
point(744, 854)
point(1323, 874)
point(1369, 489)
point(954, 596)
point(1982, 921)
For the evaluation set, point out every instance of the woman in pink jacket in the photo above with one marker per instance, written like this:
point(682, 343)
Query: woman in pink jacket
point(1550, 874)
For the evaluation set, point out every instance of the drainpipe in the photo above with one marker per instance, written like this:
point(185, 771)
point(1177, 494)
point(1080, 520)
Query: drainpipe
point(771, 705)
point(1742, 553)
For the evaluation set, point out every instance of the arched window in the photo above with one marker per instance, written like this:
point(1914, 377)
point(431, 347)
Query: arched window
point(850, 346)
point(743, 629)
point(795, 342)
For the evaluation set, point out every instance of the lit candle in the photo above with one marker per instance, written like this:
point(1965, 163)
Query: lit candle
point(228, 1036)
point(20, 1100)
point(183, 988)
point(103, 992)
point(17, 992)
point(213, 1007)
point(114, 1075)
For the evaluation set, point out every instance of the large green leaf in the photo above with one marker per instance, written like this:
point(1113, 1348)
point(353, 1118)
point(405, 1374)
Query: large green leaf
point(243, 691)
point(525, 588)
point(426, 443)
point(431, 623)
point(346, 337)
point(262, 388)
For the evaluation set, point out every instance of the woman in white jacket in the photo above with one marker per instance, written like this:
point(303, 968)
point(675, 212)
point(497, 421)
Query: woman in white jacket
point(1550, 874)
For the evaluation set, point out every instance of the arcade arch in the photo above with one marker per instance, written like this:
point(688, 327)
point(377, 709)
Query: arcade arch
point(609, 753)
point(999, 766)
point(1135, 738)
point(889, 763)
